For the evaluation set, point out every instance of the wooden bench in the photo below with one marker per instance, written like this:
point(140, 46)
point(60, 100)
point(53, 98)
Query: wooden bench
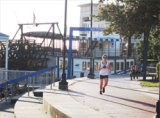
point(151, 72)
point(153, 75)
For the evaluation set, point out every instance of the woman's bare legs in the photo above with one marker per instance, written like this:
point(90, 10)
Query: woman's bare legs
point(101, 85)
point(106, 83)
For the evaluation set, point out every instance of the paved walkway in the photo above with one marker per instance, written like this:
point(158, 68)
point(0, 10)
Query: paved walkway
point(6, 109)
point(123, 98)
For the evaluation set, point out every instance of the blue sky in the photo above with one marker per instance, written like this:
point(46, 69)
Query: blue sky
point(13, 12)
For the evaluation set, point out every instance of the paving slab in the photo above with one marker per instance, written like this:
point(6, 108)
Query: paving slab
point(6, 109)
point(123, 99)
point(61, 105)
point(29, 107)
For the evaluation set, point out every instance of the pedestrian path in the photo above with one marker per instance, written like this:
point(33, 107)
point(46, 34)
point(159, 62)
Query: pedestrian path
point(123, 99)
point(29, 106)
point(6, 109)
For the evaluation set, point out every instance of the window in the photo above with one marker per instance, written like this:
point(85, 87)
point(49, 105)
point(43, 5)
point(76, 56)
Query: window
point(88, 66)
point(131, 62)
point(111, 64)
point(122, 65)
point(86, 19)
point(96, 66)
point(83, 66)
point(127, 65)
point(117, 65)
point(61, 64)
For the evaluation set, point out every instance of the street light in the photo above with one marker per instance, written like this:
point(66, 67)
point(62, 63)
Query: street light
point(91, 72)
point(63, 84)
point(115, 56)
point(115, 59)
point(158, 102)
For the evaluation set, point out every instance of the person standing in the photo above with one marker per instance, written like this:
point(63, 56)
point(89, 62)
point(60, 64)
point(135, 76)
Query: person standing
point(134, 72)
point(104, 68)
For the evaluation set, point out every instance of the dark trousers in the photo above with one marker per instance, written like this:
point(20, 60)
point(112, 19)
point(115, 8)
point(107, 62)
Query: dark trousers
point(134, 74)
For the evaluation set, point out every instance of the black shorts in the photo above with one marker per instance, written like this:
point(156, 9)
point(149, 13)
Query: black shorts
point(103, 76)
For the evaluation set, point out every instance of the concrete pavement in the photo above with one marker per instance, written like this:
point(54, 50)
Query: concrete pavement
point(123, 99)
point(6, 109)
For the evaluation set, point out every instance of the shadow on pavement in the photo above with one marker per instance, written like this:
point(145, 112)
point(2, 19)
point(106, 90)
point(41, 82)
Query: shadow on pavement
point(119, 102)
point(5, 106)
point(123, 87)
point(132, 89)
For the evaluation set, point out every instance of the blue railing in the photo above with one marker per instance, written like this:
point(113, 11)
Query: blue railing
point(24, 77)
point(121, 72)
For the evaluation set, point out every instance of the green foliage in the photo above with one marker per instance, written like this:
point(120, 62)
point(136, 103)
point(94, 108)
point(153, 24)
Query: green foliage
point(134, 18)
point(130, 17)
point(149, 84)
point(153, 46)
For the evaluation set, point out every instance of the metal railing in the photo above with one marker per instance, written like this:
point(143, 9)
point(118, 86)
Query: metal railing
point(19, 82)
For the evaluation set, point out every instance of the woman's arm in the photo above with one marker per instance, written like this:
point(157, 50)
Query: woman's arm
point(99, 66)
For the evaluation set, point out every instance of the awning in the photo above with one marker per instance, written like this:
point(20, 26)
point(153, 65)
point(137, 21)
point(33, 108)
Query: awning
point(49, 35)
point(3, 37)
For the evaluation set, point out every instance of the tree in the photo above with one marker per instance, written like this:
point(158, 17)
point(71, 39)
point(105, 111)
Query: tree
point(132, 17)
point(153, 46)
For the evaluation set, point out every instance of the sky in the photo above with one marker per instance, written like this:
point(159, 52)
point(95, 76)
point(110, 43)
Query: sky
point(13, 12)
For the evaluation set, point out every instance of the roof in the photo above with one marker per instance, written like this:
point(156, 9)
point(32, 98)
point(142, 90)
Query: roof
point(49, 35)
point(3, 37)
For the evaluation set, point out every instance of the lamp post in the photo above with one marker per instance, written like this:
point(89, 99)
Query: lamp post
point(91, 71)
point(158, 102)
point(115, 59)
point(63, 84)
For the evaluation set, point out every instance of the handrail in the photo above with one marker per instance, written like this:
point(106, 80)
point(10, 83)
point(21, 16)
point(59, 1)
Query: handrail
point(121, 72)
point(27, 76)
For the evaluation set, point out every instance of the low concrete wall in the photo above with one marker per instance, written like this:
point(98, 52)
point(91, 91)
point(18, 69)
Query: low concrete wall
point(53, 111)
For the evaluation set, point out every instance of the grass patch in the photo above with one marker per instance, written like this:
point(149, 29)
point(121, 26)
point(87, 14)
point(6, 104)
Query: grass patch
point(149, 84)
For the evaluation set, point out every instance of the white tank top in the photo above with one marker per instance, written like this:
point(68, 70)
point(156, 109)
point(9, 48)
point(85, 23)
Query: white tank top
point(104, 71)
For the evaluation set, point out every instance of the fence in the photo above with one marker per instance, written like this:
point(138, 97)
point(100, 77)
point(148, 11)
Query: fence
point(21, 81)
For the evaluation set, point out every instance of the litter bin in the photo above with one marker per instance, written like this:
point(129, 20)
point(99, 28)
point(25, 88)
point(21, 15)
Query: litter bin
point(82, 74)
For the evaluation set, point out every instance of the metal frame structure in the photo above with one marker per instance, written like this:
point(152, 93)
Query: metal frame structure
point(72, 29)
point(24, 53)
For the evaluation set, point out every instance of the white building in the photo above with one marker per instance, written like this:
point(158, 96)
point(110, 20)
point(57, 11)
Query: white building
point(111, 43)
point(85, 19)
